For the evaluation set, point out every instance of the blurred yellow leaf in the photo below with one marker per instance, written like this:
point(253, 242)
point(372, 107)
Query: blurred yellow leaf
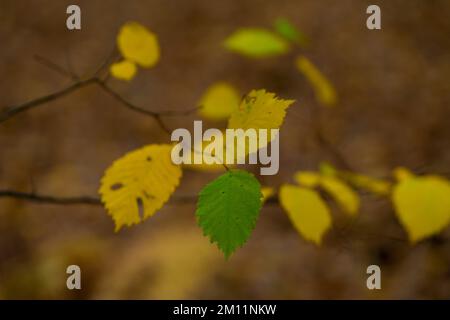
point(123, 70)
point(346, 198)
point(422, 205)
point(307, 178)
point(344, 195)
point(267, 193)
point(136, 43)
point(139, 183)
point(401, 173)
point(163, 255)
point(374, 185)
point(307, 211)
point(324, 90)
point(219, 101)
point(256, 43)
point(327, 169)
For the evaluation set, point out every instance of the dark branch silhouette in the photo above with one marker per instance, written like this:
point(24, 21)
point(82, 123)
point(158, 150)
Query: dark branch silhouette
point(55, 67)
point(88, 200)
point(33, 197)
point(129, 105)
point(12, 111)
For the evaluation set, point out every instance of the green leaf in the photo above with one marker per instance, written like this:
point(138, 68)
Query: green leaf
point(228, 208)
point(290, 32)
point(256, 43)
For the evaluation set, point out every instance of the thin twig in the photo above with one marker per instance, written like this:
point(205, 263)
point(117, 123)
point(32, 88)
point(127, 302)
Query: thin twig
point(33, 197)
point(88, 200)
point(332, 150)
point(112, 56)
point(9, 112)
point(131, 106)
point(69, 66)
point(67, 73)
point(125, 102)
point(55, 67)
point(177, 113)
point(221, 161)
point(324, 143)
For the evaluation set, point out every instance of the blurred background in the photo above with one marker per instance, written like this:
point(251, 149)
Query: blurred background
point(394, 109)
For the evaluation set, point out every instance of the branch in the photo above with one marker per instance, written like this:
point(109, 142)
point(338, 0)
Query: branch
point(88, 200)
point(324, 143)
point(129, 105)
point(341, 161)
point(10, 112)
point(33, 197)
point(55, 67)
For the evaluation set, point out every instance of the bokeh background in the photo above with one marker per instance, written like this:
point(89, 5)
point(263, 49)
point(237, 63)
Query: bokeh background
point(394, 109)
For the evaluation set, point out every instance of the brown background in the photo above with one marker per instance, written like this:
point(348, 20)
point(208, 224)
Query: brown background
point(393, 110)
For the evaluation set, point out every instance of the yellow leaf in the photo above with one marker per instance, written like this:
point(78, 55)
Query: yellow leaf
point(267, 193)
point(422, 205)
point(123, 70)
point(219, 101)
point(327, 169)
point(259, 110)
point(401, 173)
point(324, 91)
point(307, 178)
point(374, 185)
point(256, 43)
point(307, 211)
point(139, 183)
point(346, 198)
point(136, 43)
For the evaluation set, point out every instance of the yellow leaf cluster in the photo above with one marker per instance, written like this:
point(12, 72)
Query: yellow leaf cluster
point(373, 185)
point(257, 110)
point(307, 210)
point(345, 196)
point(138, 46)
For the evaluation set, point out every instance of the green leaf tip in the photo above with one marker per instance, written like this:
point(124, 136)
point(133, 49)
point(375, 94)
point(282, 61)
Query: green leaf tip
point(286, 29)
